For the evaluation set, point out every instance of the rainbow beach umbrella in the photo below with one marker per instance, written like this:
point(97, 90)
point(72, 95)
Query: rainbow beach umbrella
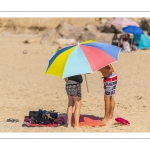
point(82, 58)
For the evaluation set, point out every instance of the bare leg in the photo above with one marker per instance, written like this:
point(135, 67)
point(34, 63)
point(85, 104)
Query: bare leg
point(107, 108)
point(77, 101)
point(70, 109)
point(112, 106)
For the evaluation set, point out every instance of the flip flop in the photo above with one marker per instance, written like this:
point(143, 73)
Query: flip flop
point(12, 120)
point(9, 120)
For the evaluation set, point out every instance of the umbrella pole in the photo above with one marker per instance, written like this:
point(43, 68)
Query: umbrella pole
point(131, 44)
point(86, 84)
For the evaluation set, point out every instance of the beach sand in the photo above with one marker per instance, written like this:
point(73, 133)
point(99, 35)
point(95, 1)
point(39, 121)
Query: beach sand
point(24, 86)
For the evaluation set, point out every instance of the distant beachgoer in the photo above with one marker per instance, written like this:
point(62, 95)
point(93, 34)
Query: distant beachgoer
point(134, 48)
point(110, 82)
point(73, 89)
point(126, 46)
point(121, 40)
point(115, 40)
point(129, 39)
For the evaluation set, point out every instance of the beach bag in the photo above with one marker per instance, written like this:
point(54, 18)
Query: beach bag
point(44, 114)
point(48, 114)
point(38, 120)
point(35, 114)
point(53, 114)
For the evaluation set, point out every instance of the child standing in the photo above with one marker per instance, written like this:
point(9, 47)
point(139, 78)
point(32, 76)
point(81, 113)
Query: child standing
point(73, 89)
point(110, 81)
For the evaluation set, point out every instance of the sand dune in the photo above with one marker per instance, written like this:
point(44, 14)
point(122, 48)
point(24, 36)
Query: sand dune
point(24, 87)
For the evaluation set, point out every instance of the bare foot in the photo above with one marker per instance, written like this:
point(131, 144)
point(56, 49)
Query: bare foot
point(77, 127)
point(69, 126)
point(111, 117)
point(105, 120)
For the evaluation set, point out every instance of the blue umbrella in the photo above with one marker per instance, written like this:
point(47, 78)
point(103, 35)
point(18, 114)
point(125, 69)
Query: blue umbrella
point(133, 30)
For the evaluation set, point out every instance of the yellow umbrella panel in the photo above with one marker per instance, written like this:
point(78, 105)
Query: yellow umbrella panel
point(57, 65)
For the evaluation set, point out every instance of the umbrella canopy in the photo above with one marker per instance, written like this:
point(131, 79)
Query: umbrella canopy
point(123, 22)
point(133, 30)
point(82, 58)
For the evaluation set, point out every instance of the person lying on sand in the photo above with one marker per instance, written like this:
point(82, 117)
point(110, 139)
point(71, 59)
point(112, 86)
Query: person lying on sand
point(110, 81)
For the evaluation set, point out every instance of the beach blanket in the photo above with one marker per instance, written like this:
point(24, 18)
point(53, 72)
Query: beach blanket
point(89, 120)
point(85, 120)
point(32, 122)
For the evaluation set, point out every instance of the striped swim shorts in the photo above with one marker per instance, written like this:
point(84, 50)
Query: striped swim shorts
point(110, 83)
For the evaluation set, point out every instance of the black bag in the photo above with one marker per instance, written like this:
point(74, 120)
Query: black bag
point(53, 114)
point(42, 120)
point(43, 114)
point(35, 114)
point(48, 114)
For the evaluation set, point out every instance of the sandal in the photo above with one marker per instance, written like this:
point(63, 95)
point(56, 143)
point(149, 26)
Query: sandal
point(12, 120)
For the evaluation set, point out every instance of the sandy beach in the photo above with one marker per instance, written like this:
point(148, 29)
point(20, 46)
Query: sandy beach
point(25, 87)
